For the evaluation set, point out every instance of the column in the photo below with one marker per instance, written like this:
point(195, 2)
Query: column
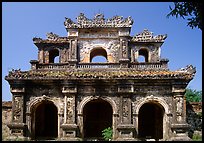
point(73, 52)
point(126, 128)
point(69, 126)
point(179, 125)
point(124, 52)
point(17, 125)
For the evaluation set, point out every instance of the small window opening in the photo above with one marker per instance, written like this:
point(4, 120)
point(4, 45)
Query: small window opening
point(143, 55)
point(54, 56)
point(98, 55)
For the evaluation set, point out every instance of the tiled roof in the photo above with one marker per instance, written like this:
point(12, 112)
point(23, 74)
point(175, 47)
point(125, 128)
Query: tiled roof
point(109, 74)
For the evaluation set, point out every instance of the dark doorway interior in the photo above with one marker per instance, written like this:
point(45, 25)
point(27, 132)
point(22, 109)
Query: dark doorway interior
point(97, 117)
point(46, 121)
point(151, 121)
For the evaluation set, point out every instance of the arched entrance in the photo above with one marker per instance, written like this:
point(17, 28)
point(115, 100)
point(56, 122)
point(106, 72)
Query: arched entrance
point(44, 121)
point(150, 122)
point(97, 115)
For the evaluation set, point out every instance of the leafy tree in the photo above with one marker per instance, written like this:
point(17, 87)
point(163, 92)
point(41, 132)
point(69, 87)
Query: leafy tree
point(193, 95)
point(191, 9)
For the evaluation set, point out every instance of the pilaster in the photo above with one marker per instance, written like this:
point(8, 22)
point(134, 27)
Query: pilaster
point(179, 126)
point(69, 126)
point(18, 126)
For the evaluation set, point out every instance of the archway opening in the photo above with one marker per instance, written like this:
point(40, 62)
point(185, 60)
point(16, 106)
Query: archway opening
point(45, 121)
point(97, 116)
point(54, 56)
point(150, 122)
point(98, 55)
point(143, 55)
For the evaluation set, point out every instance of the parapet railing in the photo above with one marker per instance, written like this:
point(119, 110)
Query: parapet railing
point(137, 66)
point(148, 66)
point(98, 65)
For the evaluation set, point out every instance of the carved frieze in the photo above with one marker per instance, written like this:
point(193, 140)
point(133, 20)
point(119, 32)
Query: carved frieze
point(99, 35)
point(69, 89)
point(125, 88)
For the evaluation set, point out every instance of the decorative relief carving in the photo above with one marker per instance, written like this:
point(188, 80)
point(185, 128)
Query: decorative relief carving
point(98, 21)
point(70, 108)
point(99, 35)
point(73, 48)
point(17, 108)
point(147, 36)
point(125, 88)
point(179, 106)
point(124, 49)
point(52, 36)
point(125, 110)
point(189, 69)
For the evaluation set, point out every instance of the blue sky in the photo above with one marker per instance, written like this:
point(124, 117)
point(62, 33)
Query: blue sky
point(22, 21)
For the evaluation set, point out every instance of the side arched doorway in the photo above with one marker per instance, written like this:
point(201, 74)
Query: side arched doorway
point(150, 122)
point(44, 121)
point(97, 115)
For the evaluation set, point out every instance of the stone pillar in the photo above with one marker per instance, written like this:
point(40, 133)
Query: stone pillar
point(124, 52)
point(46, 57)
point(40, 55)
point(17, 125)
point(179, 125)
point(69, 126)
point(125, 128)
point(73, 53)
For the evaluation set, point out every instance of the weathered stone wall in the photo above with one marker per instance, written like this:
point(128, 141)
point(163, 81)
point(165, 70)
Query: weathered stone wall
point(6, 118)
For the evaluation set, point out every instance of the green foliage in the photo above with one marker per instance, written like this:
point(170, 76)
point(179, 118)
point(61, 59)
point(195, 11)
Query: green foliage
point(197, 137)
point(193, 95)
point(107, 133)
point(191, 9)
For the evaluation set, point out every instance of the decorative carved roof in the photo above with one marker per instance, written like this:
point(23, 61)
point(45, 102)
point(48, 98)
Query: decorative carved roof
point(98, 21)
point(147, 36)
point(188, 69)
point(51, 38)
point(103, 74)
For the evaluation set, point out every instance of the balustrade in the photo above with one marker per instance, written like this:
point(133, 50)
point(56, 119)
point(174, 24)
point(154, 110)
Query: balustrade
point(137, 66)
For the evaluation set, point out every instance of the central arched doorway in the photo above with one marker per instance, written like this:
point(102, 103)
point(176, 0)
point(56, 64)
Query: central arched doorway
point(150, 122)
point(97, 115)
point(44, 121)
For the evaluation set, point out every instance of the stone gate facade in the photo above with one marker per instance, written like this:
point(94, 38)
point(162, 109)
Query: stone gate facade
point(67, 96)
